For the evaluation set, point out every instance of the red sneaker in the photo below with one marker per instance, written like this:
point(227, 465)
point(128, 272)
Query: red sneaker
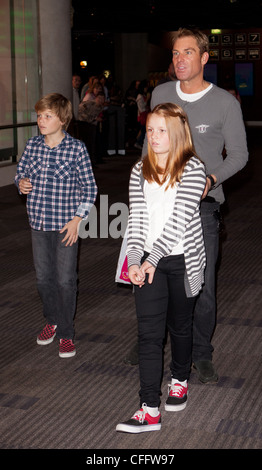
point(141, 421)
point(177, 397)
point(47, 335)
point(67, 348)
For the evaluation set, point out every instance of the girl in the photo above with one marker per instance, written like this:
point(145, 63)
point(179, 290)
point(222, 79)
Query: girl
point(166, 259)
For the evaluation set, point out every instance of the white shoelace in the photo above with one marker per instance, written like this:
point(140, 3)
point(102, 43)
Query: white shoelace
point(140, 414)
point(176, 389)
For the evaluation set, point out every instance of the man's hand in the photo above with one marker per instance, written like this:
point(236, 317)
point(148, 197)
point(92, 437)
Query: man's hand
point(208, 186)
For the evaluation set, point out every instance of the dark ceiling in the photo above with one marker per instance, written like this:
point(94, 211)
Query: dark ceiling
point(164, 15)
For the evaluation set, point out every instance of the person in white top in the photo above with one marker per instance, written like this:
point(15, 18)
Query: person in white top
point(166, 259)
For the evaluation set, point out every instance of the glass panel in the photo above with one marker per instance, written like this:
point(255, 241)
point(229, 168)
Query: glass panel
point(26, 66)
point(6, 108)
point(19, 74)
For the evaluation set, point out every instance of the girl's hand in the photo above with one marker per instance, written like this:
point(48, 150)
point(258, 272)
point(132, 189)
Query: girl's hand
point(147, 268)
point(136, 276)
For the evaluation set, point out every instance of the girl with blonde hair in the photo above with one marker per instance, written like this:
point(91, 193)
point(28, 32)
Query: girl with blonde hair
point(166, 259)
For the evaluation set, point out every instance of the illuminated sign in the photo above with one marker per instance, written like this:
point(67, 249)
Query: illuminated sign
point(214, 54)
point(227, 54)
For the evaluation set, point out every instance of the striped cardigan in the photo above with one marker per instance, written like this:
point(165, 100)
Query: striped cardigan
point(184, 223)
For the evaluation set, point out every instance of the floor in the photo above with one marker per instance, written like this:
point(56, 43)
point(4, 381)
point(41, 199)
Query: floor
point(49, 403)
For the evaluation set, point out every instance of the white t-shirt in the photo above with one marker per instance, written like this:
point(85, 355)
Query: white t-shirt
point(191, 97)
point(160, 204)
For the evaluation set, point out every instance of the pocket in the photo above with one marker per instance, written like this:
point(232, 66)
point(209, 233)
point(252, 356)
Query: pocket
point(64, 170)
point(36, 168)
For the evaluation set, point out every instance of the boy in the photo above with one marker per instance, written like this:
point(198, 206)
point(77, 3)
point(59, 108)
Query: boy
point(55, 173)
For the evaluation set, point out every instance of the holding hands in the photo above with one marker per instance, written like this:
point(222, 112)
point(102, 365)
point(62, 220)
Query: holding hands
point(137, 274)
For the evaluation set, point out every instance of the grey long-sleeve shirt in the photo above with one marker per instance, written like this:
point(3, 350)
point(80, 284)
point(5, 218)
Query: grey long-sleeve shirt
point(216, 123)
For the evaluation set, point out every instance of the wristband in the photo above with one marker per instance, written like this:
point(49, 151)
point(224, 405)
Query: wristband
point(211, 180)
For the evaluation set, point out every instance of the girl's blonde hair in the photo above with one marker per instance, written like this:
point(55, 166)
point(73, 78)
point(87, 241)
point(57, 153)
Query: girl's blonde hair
point(181, 146)
point(59, 105)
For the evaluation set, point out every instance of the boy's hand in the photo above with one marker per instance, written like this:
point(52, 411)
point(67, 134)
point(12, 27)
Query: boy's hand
point(71, 229)
point(25, 186)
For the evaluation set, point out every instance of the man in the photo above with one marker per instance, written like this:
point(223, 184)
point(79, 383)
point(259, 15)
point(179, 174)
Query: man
point(76, 83)
point(216, 123)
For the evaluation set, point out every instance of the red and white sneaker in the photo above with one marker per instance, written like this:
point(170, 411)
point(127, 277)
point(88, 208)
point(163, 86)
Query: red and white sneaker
point(67, 348)
point(141, 421)
point(47, 335)
point(177, 397)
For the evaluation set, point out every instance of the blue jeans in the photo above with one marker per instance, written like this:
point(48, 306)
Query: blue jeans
point(159, 305)
point(56, 276)
point(205, 308)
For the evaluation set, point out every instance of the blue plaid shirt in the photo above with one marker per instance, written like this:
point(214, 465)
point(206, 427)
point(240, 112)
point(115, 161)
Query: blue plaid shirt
point(62, 179)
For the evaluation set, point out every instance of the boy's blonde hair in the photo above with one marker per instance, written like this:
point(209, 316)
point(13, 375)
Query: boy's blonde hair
point(59, 105)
